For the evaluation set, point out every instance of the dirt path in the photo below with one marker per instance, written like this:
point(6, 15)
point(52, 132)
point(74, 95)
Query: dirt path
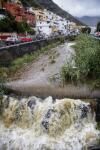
point(46, 70)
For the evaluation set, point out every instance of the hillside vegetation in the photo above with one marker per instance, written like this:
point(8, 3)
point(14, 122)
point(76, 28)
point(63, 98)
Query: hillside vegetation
point(8, 24)
point(31, 3)
point(87, 62)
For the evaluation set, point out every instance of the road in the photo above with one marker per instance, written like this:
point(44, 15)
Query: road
point(3, 44)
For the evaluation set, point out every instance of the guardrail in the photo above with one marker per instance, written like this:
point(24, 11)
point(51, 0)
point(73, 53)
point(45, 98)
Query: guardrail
point(18, 44)
point(23, 43)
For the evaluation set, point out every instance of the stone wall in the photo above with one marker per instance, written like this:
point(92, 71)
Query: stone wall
point(9, 53)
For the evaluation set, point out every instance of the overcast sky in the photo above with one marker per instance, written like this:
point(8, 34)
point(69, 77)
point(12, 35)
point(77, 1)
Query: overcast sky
point(80, 7)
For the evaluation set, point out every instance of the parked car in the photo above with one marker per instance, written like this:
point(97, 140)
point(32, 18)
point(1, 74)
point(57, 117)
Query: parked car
point(12, 40)
point(26, 39)
point(39, 37)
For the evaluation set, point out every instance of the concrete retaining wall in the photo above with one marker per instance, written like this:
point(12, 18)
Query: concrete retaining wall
point(9, 53)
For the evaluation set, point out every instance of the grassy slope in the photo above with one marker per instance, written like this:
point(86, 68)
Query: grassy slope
point(87, 62)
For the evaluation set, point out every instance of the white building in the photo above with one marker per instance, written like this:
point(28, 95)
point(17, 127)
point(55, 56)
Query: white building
point(93, 30)
point(42, 27)
point(48, 23)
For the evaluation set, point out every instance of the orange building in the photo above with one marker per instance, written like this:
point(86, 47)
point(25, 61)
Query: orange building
point(20, 13)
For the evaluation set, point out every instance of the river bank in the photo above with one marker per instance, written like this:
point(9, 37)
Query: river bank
point(64, 124)
point(45, 70)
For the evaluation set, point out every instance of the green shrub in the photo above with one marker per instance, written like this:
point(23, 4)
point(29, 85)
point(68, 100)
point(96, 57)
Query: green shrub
point(87, 60)
point(3, 75)
point(69, 73)
point(86, 30)
point(62, 39)
point(71, 38)
point(88, 56)
point(3, 90)
point(9, 24)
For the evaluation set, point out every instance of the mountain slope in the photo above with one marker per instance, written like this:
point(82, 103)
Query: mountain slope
point(30, 3)
point(90, 21)
point(50, 5)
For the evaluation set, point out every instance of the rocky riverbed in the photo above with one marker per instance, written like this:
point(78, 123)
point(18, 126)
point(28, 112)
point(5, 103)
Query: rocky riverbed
point(46, 70)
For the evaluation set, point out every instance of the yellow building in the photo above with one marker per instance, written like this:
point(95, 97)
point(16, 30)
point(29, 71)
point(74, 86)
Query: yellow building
point(73, 26)
point(40, 15)
point(54, 28)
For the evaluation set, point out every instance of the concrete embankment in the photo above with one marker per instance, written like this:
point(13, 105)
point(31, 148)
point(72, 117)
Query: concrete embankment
point(9, 53)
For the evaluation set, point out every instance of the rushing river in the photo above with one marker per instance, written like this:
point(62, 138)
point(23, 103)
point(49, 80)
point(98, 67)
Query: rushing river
point(36, 124)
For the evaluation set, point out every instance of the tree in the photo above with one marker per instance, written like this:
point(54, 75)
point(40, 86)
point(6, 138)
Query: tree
point(98, 27)
point(86, 30)
point(9, 24)
point(5, 25)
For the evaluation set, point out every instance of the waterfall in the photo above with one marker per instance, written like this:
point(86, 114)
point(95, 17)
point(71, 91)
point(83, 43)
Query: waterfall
point(36, 124)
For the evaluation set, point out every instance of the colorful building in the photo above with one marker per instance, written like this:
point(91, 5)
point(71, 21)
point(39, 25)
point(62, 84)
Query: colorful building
point(40, 15)
point(49, 23)
point(42, 20)
point(20, 13)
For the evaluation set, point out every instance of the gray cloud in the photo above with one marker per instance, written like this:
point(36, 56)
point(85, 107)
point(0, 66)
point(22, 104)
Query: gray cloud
point(80, 7)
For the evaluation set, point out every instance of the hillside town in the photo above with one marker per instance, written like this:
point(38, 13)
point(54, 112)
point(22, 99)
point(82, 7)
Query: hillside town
point(43, 22)
point(49, 75)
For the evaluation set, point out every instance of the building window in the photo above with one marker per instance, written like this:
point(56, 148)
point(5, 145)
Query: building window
point(48, 21)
